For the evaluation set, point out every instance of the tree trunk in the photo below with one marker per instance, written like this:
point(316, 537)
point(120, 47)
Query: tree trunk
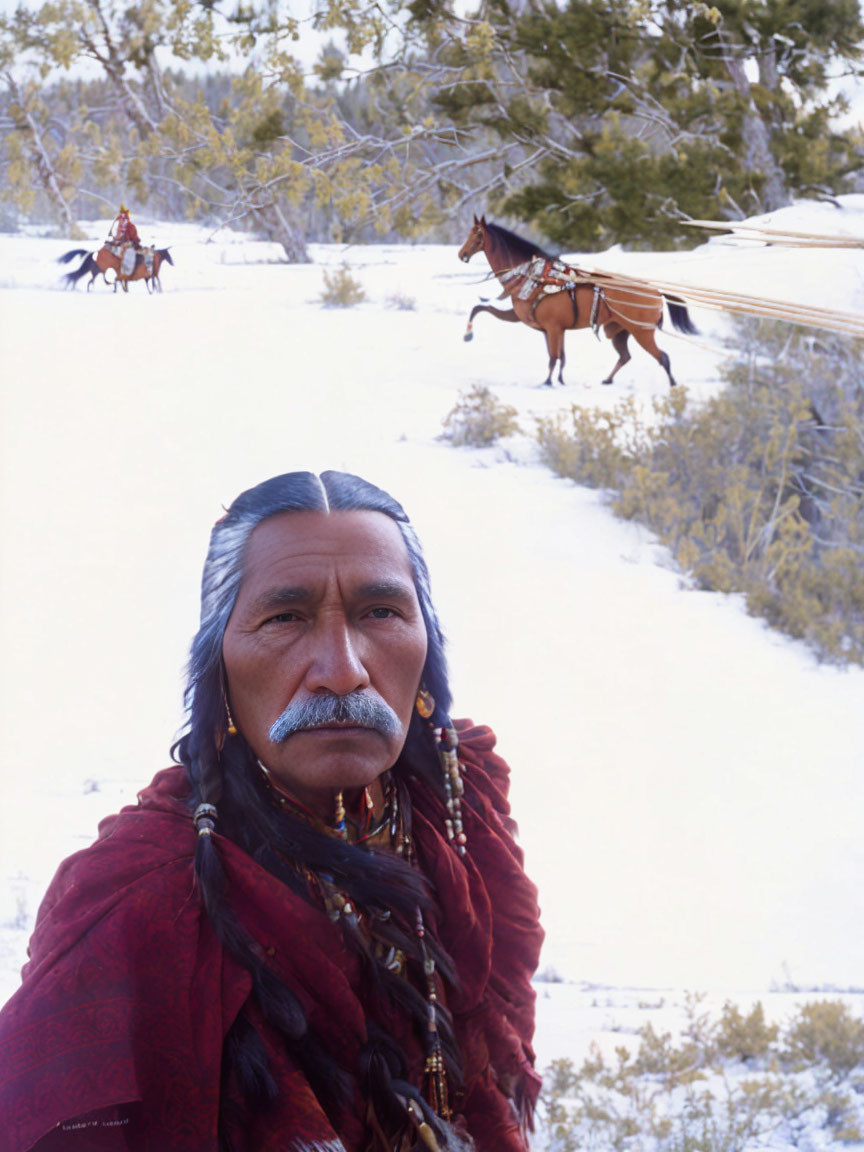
point(155, 77)
point(756, 134)
point(26, 123)
point(289, 236)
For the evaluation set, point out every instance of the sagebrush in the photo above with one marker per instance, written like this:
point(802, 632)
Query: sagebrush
point(730, 1085)
point(341, 290)
point(479, 419)
point(760, 490)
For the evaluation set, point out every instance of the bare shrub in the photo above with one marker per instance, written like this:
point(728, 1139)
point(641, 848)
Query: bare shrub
point(401, 302)
point(479, 419)
point(759, 491)
point(549, 975)
point(698, 1092)
point(341, 290)
point(599, 447)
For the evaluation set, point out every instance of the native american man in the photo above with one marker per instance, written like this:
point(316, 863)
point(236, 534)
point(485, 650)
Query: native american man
point(314, 932)
point(123, 231)
point(124, 241)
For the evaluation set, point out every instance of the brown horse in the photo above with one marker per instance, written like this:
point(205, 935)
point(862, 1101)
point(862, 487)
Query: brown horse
point(105, 260)
point(621, 310)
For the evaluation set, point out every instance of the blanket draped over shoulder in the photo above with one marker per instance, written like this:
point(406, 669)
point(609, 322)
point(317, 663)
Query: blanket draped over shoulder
point(115, 1038)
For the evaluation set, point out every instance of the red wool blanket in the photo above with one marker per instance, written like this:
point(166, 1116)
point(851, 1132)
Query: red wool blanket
point(114, 1040)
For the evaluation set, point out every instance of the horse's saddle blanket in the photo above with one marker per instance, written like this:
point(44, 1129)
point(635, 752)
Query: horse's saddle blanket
point(126, 254)
point(539, 277)
point(128, 257)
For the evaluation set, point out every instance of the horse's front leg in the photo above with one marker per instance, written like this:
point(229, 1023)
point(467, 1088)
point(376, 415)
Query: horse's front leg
point(509, 316)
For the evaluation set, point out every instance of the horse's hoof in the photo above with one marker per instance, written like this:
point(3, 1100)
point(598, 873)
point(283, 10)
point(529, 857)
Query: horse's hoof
point(468, 336)
point(607, 381)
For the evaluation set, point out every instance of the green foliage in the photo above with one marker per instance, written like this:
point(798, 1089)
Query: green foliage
point(643, 113)
point(261, 150)
point(599, 121)
point(758, 491)
point(826, 1033)
point(598, 447)
point(744, 1038)
point(728, 1085)
point(479, 419)
point(622, 190)
point(341, 290)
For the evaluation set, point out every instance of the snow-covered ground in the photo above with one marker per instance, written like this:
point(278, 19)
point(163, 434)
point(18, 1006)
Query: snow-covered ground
point(687, 782)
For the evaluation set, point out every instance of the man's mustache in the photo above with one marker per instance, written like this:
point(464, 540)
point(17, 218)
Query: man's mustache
point(356, 708)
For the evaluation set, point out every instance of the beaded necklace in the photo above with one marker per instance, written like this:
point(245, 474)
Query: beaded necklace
point(389, 831)
point(367, 828)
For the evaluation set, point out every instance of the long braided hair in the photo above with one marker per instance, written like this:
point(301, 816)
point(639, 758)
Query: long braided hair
point(222, 772)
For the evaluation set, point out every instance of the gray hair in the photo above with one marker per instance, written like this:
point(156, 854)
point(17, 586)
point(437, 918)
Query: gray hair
point(223, 574)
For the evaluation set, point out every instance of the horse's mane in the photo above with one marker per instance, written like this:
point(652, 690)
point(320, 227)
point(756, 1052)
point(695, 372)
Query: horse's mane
point(518, 246)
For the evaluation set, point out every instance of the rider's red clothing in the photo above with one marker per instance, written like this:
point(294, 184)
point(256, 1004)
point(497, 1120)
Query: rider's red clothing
point(123, 230)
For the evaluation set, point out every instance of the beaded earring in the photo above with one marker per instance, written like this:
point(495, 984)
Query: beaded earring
point(425, 704)
point(232, 727)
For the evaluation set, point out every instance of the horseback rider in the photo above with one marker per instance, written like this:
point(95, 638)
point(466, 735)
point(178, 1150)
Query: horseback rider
point(123, 231)
point(123, 235)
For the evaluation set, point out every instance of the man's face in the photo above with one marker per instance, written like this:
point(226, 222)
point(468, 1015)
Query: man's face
point(327, 606)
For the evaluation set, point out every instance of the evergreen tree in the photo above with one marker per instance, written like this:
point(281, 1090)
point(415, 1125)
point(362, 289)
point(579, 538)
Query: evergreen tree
point(260, 149)
point(638, 113)
point(598, 121)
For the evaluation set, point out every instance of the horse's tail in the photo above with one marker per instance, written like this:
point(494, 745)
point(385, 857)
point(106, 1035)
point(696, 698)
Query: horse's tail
point(87, 265)
point(679, 315)
point(71, 254)
point(165, 253)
